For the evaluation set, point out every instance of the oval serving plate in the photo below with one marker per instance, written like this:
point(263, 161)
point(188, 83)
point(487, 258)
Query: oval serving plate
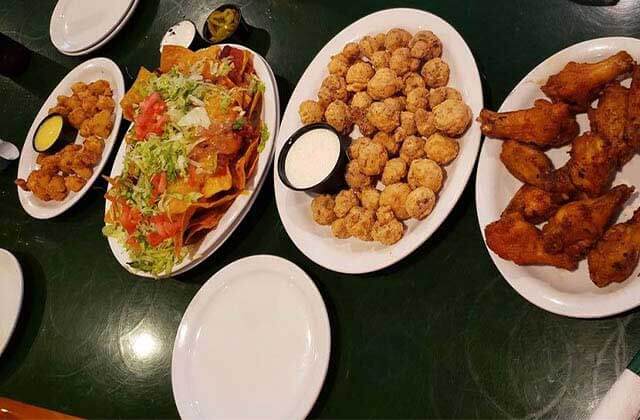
point(555, 290)
point(350, 255)
point(97, 68)
point(242, 204)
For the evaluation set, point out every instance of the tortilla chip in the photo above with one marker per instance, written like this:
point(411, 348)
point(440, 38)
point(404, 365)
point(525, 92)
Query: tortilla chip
point(176, 56)
point(240, 179)
point(134, 96)
point(204, 223)
point(217, 183)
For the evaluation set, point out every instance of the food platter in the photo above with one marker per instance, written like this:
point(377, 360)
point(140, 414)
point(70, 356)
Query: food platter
point(350, 255)
point(558, 291)
point(97, 68)
point(242, 204)
point(236, 355)
point(11, 291)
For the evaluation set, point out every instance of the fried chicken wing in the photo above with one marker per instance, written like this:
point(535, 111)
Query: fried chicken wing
point(591, 166)
point(517, 240)
point(534, 204)
point(576, 226)
point(559, 182)
point(546, 124)
point(578, 84)
point(608, 119)
point(616, 255)
point(632, 127)
point(526, 163)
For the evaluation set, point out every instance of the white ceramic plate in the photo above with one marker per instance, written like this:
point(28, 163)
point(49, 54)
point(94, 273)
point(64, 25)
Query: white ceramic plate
point(558, 291)
point(97, 68)
point(351, 255)
point(11, 290)
point(253, 343)
point(77, 25)
point(108, 37)
point(241, 206)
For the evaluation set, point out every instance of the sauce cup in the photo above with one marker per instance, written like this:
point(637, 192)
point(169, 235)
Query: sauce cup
point(334, 178)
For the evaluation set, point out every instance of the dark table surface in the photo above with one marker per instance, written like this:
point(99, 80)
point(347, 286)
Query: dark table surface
point(440, 334)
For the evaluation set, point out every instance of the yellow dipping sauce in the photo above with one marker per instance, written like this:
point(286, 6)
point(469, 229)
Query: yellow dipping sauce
point(48, 132)
point(222, 23)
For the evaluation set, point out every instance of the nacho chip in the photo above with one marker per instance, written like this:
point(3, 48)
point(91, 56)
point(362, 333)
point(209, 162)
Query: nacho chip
point(219, 182)
point(176, 56)
point(135, 95)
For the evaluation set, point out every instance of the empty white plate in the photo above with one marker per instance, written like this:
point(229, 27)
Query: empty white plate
point(10, 295)
point(253, 343)
point(77, 25)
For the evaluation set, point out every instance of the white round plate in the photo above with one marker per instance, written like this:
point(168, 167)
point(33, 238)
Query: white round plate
point(108, 37)
point(242, 204)
point(97, 68)
point(79, 24)
point(351, 255)
point(555, 290)
point(253, 343)
point(11, 290)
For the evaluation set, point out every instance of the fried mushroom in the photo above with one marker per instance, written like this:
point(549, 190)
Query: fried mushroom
point(396, 38)
point(358, 76)
point(355, 178)
point(310, 112)
point(394, 171)
point(351, 51)
point(435, 73)
point(408, 123)
point(441, 149)
point(388, 233)
point(417, 98)
point(372, 157)
point(322, 209)
point(425, 173)
point(441, 94)
point(361, 100)
point(383, 117)
point(425, 123)
point(369, 45)
point(333, 88)
point(420, 202)
point(395, 196)
point(345, 200)
point(387, 141)
point(339, 229)
point(338, 115)
point(452, 117)
point(400, 61)
point(412, 81)
point(370, 198)
point(425, 45)
point(384, 215)
point(383, 84)
point(380, 59)
point(359, 223)
point(338, 65)
point(412, 148)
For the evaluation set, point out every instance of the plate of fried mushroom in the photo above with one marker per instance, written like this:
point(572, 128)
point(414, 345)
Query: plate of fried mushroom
point(70, 139)
point(402, 87)
point(556, 181)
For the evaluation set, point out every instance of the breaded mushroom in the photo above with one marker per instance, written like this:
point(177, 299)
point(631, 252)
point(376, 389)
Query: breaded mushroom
point(353, 151)
point(351, 51)
point(412, 81)
point(408, 123)
point(441, 149)
point(400, 61)
point(435, 73)
point(383, 117)
point(358, 76)
point(395, 196)
point(355, 178)
point(420, 202)
point(380, 59)
point(383, 84)
point(370, 198)
point(425, 45)
point(345, 200)
point(311, 112)
point(387, 141)
point(452, 117)
point(425, 173)
point(339, 229)
point(369, 45)
point(359, 223)
point(425, 123)
point(441, 94)
point(338, 65)
point(388, 233)
point(396, 38)
point(338, 115)
point(322, 209)
point(417, 98)
point(398, 103)
point(372, 158)
point(359, 117)
point(333, 88)
point(384, 215)
point(361, 100)
point(74, 183)
point(412, 148)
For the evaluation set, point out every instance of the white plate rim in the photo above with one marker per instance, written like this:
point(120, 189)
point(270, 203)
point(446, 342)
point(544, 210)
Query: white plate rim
point(55, 41)
point(472, 141)
point(597, 306)
point(108, 37)
point(211, 287)
point(223, 232)
point(24, 167)
point(19, 298)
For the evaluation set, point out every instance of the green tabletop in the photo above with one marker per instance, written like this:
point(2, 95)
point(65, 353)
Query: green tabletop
point(440, 334)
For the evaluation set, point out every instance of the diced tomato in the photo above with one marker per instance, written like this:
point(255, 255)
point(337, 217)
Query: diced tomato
point(133, 243)
point(165, 229)
point(152, 117)
point(129, 218)
point(159, 183)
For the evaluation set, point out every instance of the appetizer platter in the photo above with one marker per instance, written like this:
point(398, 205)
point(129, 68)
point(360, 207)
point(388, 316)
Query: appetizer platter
point(70, 139)
point(194, 159)
point(556, 181)
point(399, 89)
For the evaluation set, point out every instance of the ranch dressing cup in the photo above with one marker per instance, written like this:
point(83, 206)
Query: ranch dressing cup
point(314, 159)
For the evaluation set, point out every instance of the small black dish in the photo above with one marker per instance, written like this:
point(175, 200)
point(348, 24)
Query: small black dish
point(335, 180)
point(237, 33)
point(65, 135)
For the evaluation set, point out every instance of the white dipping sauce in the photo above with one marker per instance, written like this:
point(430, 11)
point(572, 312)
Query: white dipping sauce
point(312, 157)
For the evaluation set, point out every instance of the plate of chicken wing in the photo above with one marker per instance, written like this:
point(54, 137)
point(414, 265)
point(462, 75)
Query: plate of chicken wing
point(556, 181)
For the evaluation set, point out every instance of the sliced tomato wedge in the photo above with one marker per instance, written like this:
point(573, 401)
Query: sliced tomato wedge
point(152, 117)
point(165, 229)
point(159, 183)
point(129, 218)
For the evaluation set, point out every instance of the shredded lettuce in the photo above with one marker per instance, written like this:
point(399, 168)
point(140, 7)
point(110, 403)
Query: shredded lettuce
point(156, 260)
point(264, 137)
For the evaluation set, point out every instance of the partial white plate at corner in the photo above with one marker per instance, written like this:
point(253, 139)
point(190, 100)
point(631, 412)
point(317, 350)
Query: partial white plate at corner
point(97, 68)
point(108, 36)
point(11, 291)
point(77, 25)
point(555, 290)
point(241, 206)
point(253, 343)
point(350, 255)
